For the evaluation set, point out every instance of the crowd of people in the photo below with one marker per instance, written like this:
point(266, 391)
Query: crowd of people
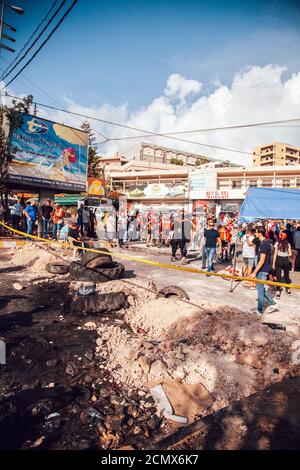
point(47, 219)
point(269, 248)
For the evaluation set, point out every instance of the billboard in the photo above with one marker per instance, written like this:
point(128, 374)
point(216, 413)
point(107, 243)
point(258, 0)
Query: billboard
point(45, 153)
point(201, 180)
point(157, 191)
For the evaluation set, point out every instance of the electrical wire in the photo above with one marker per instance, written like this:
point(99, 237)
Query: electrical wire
point(156, 134)
point(10, 65)
point(45, 42)
point(35, 41)
point(224, 128)
point(44, 94)
point(170, 135)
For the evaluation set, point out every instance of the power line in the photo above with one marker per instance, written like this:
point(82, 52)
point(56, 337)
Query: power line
point(142, 130)
point(44, 94)
point(170, 135)
point(211, 129)
point(46, 40)
point(30, 39)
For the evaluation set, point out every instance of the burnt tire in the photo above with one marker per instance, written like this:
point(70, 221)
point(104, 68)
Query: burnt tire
point(83, 273)
point(94, 260)
point(173, 291)
point(99, 304)
point(57, 268)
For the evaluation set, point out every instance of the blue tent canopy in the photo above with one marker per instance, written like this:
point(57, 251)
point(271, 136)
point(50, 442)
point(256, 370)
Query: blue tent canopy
point(270, 203)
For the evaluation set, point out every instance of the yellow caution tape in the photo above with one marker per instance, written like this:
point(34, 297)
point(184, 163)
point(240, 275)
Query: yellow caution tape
point(155, 263)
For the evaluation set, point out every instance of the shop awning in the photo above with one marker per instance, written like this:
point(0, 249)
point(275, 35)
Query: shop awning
point(270, 203)
point(68, 199)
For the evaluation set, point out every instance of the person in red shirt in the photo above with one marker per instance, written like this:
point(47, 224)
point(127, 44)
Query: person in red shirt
point(58, 221)
point(225, 236)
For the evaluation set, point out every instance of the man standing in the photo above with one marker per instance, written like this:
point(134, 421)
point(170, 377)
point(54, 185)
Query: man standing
point(212, 238)
point(248, 252)
point(58, 221)
point(79, 218)
point(30, 214)
point(86, 221)
point(297, 240)
point(46, 210)
point(16, 214)
point(261, 272)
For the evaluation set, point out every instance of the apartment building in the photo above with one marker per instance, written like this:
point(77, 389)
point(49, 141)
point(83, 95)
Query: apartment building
point(158, 154)
point(276, 154)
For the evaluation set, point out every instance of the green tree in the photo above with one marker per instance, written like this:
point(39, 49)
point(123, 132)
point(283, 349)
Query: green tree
point(11, 118)
point(93, 160)
point(176, 161)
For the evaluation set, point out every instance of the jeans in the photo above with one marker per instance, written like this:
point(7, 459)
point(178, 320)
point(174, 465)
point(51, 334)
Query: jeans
point(80, 226)
point(262, 293)
point(282, 264)
point(46, 226)
point(15, 221)
point(210, 253)
point(30, 225)
point(56, 227)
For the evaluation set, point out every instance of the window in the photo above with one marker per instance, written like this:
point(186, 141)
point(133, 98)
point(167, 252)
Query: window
point(236, 184)
point(253, 183)
point(266, 183)
point(286, 183)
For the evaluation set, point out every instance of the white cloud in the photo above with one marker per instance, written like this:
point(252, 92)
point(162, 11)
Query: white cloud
point(181, 87)
point(256, 94)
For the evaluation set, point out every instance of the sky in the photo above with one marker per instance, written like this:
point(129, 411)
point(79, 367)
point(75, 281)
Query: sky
point(169, 66)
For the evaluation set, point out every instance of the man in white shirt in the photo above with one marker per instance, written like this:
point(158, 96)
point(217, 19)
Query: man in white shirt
point(248, 252)
point(296, 237)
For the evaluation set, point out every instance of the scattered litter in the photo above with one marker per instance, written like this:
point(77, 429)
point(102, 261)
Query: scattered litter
point(275, 326)
point(162, 401)
point(38, 442)
point(17, 286)
point(87, 289)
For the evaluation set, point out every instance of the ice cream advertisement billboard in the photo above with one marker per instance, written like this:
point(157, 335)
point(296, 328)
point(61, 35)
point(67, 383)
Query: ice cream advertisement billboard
point(48, 154)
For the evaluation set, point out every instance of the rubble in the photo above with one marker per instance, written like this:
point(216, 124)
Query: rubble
point(122, 342)
point(34, 257)
point(17, 286)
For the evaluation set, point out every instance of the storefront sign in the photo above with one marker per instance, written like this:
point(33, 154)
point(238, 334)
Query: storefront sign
point(158, 191)
point(205, 179)
point(218, 194)
point(96, 187)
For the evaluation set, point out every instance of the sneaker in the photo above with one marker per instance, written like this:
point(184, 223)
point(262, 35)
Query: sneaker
point(288, 291)
point(277, 295)
point(271, 308)
point(183, 260)
point(254, 311)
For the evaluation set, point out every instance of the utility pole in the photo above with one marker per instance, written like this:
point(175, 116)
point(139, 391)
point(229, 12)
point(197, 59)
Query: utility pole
point(18, 10)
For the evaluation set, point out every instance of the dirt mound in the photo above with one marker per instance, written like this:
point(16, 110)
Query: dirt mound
point(225, 350)
point(157, 316)
point(34, 257)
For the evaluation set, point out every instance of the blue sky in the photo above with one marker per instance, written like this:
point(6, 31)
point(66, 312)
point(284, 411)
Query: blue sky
point(123, 51)
point(166, 66)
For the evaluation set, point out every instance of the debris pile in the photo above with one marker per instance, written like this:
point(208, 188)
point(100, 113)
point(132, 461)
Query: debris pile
point(34, 258)
point(56, 393)
point(225, 351)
